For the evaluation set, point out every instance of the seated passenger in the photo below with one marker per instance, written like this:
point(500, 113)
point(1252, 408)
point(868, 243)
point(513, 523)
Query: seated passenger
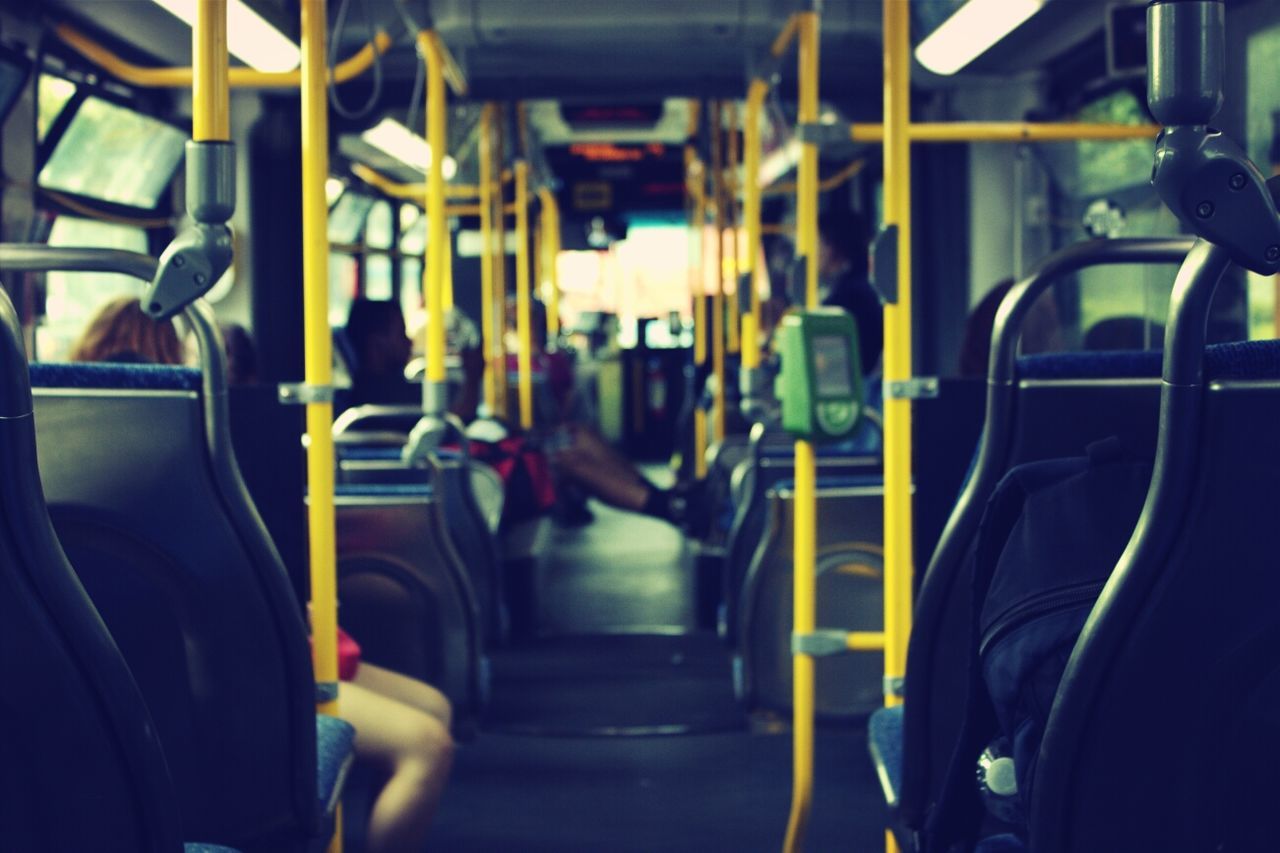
point(382, 348)
point(402, 725)
point(122, 332)
point(843, 281)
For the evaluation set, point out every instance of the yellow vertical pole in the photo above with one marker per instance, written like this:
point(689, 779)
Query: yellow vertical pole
point(898, 558)
point(488, 326)
point(318, 361)
point(524, 311)
point(695, 180)
point(210, 98)
point(318, 348)
point(731, 219)
point(437, 227)
point(805, 501)
point(503, 409)
point(751, 214)
point(717, 299)
point(550, 259)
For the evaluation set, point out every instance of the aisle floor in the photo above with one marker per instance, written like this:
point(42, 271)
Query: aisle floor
point(552, 770)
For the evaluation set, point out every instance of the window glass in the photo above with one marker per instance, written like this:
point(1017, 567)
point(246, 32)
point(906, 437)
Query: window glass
point(377, 278)
point(72, 298)
point(1104, 166)
point(379, 228)
point(1262, 107)
point(343, 276)
point(53, 96)
point(114, 154)
point(346, 220)
point(413, 239)
point(410, 285)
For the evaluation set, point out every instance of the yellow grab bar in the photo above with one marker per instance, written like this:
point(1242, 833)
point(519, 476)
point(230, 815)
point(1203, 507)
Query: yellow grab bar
point(1006, 131)
point(318, 349)
point(437, 228)
point(756, 94)
point(238, 78)
point(784, 39)
point(826, 184)
point(550, 252)
point(804, 562)
point(408, 192)
point(488, 326)
point(732, 322)
point(524, 311)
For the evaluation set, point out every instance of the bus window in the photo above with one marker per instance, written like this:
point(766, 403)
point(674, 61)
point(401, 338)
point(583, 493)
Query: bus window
point(378, 282)
point(53, 96)
point(343, 277)
point(346, 219)
point(71, 298)
point(113, 154)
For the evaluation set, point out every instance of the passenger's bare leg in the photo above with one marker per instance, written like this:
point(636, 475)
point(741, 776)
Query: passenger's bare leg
point(409, 691)
point(414, 749)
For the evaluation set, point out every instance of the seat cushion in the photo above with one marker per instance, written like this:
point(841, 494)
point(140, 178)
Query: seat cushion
point(135, 377)
point(884, 738)
point(206, 848)
point(335, 750)
point(382, 490)
point(1118, 364)
point(1001, 844)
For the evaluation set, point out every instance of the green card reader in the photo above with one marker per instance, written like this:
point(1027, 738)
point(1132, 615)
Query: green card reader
point(820, 385)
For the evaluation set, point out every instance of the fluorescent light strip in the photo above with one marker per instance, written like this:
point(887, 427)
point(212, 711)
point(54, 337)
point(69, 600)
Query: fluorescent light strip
point(249, 37)
point(394, 139)
point(971, 31)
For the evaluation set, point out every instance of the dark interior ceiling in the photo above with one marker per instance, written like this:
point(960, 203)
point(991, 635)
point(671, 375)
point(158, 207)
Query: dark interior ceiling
point(515, 49)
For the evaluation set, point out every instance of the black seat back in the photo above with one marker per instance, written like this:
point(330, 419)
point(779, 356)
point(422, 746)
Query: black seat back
point(850, 583)
point(1046, 407)
point(1175, 679)
point(144, 491)
point(82, 766)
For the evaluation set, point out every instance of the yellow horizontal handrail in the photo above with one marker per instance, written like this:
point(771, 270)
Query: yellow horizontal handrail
point(865, 641)
point(825, 185)
point(408, 192)
point(784, 39)
point(243, 78)
point(1007, 131)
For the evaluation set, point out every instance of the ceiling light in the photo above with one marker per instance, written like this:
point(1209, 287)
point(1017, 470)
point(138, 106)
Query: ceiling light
point(394, 139)
point(971, 31)
point(250, 38)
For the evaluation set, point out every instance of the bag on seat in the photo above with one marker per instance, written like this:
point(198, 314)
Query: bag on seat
point(1049, 539)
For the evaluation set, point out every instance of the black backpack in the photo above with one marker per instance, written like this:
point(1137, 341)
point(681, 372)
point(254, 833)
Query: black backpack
point(1050, 536)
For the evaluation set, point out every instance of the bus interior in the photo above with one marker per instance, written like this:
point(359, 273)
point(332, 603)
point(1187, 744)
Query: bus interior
point(816, 424)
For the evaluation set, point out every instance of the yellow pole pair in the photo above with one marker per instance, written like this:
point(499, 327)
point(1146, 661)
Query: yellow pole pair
point(804, 571)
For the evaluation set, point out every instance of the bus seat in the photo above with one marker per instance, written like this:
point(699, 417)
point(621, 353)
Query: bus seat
point(335, 752)
point(456, 478)
point(146, 496)
point(1001, 844)
point(770, 461)
point(82, 766)
point(406, 597)
point(1061, 403)
point(850, 598)
point(1175, 679)
point(884, 738)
